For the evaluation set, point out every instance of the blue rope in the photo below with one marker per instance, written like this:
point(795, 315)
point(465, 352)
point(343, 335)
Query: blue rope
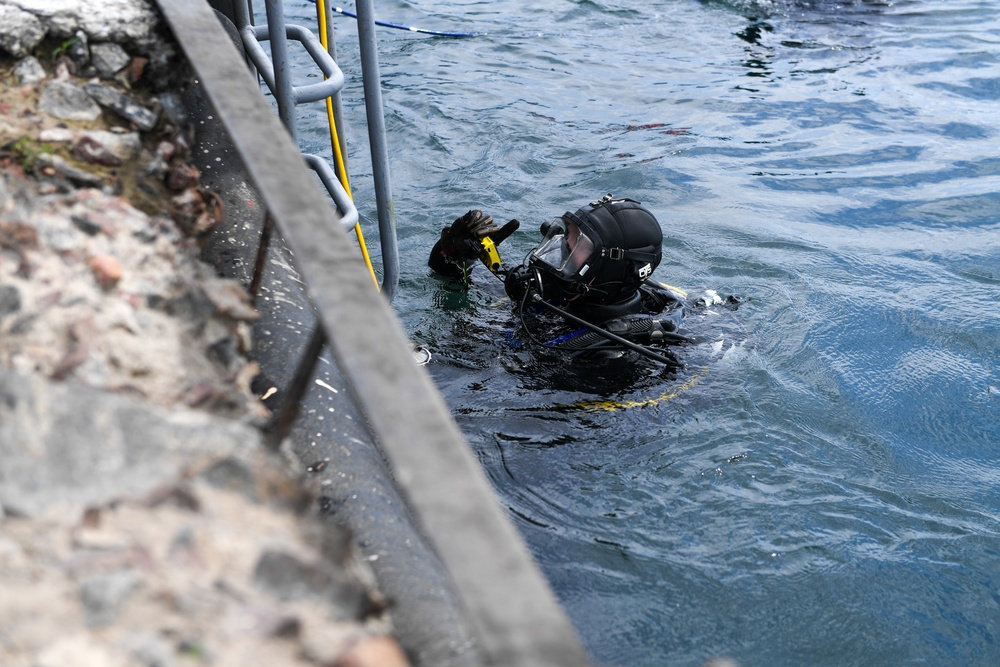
point(396, 26)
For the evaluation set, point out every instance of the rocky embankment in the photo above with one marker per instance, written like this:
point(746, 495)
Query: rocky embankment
point(142, 519)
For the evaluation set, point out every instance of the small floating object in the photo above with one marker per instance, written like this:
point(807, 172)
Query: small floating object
point(421, 355)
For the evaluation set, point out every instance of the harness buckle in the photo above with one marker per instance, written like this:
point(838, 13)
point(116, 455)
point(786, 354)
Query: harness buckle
point(606, 199)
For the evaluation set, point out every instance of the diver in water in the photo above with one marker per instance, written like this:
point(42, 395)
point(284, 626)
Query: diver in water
point(586, 288)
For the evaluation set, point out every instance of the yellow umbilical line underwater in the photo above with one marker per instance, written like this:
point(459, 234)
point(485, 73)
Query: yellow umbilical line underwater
point(613, 406)
point(335, 140)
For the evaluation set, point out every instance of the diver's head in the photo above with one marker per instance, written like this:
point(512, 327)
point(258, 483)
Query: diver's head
point(601, 253)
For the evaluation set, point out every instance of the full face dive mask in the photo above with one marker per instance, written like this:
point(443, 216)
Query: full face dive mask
point(601, 253)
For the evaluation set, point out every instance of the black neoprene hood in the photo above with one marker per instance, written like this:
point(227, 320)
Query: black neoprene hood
point(628, 246)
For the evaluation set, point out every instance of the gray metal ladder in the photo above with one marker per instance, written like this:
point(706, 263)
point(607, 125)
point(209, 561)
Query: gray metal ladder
point(275, 72)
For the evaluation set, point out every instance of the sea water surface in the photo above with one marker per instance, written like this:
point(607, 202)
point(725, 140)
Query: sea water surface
point(824, 489)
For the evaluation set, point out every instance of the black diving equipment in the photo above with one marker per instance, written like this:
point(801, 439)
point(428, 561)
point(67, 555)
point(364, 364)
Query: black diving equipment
point(591, 270)
point(666, 358)
point(470, 237)
point(601, 253)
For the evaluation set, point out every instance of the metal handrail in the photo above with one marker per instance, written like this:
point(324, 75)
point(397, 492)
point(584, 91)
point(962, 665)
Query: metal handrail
point(254, 35)
point(378, 145)
point(336, 190)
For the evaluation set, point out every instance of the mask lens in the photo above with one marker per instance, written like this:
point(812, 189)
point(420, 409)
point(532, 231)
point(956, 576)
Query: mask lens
point(580, 249)
point(552, 251)
point(566, 253)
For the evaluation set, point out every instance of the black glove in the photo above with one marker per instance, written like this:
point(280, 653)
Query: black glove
point(462, 240)
point(461, 243)
point(474, 224)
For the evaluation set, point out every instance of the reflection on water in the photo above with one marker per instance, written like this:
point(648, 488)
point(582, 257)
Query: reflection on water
point(823, 490)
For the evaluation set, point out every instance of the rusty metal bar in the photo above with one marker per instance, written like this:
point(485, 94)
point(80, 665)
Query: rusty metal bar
point(517, 619)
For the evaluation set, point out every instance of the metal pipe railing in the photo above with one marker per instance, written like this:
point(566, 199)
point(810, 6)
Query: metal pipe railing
point(281, 78)
point(376, 138)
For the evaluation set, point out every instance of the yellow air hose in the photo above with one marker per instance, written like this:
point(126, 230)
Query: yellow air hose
point(335, 140)
point(613, 406)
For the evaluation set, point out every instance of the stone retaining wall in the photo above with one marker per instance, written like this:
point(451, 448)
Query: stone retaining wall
point(142, 519)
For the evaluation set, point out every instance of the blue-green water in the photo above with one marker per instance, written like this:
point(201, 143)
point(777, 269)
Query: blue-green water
point(825, 492)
